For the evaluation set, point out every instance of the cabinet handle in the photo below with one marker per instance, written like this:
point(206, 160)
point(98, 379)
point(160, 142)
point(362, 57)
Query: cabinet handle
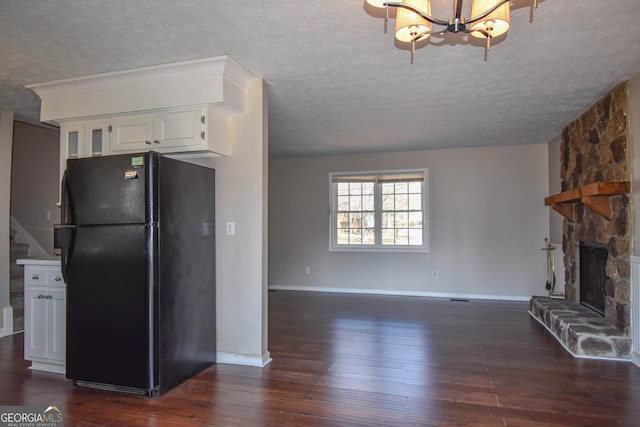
point(58, 279)
point(148, 142)
point(41, 296)
point(157, 141)
point(35, 277)
point(48, 297)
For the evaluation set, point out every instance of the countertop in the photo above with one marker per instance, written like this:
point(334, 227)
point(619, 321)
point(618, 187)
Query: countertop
point(55, 261)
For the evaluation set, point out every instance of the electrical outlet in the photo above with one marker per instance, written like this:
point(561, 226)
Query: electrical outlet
point(307, 270)
point(434, 274)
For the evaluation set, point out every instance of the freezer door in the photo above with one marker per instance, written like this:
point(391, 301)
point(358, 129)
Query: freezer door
point(108, 190)
point(109, 306)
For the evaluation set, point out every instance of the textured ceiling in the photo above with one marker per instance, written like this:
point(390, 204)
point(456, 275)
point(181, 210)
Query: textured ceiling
point(336, 82)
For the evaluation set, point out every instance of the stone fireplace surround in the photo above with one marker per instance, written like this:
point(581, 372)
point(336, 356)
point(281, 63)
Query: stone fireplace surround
point(594, 149)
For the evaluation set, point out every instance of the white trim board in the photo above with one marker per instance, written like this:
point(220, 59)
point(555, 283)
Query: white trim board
point(635, 358)
point(244, 359)
point(7, 318)
point(276, 287)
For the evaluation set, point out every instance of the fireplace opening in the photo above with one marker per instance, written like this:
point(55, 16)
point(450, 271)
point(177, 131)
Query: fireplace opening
point(593, 277)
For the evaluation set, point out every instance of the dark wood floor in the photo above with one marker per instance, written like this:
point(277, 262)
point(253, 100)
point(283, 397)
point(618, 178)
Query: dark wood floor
point(356, 360)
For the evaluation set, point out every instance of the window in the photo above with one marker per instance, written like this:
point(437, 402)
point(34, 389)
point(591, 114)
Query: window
point(380, 211)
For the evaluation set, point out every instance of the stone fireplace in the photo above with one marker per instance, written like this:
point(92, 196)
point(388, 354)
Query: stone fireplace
point(594, 148)
point(596, 246)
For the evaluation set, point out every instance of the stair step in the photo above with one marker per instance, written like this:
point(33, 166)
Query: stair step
point(16, 283)
point(18, 251)
point(17, 305)
point(16, 269)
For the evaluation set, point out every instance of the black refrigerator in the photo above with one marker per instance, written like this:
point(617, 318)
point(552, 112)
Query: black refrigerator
point(137, 250)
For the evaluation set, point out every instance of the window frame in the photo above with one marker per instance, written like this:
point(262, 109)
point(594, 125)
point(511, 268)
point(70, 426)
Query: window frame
point(380, 177)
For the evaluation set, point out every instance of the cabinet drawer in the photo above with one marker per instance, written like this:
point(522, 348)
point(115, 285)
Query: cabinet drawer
point(36, 276)
point(43, 277)
point(54, 278)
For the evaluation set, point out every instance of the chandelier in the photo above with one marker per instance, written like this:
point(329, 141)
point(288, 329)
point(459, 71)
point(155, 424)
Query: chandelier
point(414, 23)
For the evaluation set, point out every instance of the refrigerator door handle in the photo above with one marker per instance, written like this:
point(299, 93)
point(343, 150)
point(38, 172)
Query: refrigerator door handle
point(65, 242)
point(64, 254)
point(64, 200)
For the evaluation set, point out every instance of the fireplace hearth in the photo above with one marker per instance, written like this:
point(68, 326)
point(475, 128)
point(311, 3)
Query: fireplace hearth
point(593, 277)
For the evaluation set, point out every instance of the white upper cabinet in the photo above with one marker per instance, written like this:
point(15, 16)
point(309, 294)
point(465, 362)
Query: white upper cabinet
point(166, 132)
point(183, 107)
point(84, 139)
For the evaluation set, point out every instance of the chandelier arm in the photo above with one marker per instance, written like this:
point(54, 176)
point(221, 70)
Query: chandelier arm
point(419, 12)
point(487, 13)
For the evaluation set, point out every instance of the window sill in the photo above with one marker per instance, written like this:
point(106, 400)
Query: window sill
point(421, 250)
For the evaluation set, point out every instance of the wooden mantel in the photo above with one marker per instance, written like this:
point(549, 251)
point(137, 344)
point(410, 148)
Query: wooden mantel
point(594, 196)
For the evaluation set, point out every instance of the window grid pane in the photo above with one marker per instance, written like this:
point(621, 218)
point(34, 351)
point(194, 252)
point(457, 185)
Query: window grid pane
point(355, 216)
point(401, 213)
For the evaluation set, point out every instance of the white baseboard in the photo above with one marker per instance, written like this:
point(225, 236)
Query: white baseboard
point(7, 321)
point(635, 358)
point(275, 287)
point(244, 359)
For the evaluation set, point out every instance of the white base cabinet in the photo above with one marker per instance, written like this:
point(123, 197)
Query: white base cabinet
point(44, 314)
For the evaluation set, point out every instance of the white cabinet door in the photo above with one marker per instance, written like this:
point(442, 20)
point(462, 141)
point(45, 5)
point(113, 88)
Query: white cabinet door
point(56, 324)
point(83, 139)
point(96, 138)
point(132, 133)
point(71, 141)
point(180, 130)
point(35, 337)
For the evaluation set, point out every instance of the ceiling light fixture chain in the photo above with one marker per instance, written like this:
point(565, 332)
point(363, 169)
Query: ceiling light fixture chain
point(414, 22)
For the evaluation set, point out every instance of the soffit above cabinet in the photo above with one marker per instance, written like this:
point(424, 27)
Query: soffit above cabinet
point(220, 82)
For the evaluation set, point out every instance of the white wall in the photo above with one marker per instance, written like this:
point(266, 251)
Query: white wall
point(241, 262)
point(634, 147)
point(6, 138)
point(488, 224)
point(555, 186)
point(34, 195)
point(555, 219)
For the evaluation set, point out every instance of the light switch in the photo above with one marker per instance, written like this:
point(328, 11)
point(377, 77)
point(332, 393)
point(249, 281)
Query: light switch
point(231, 228)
